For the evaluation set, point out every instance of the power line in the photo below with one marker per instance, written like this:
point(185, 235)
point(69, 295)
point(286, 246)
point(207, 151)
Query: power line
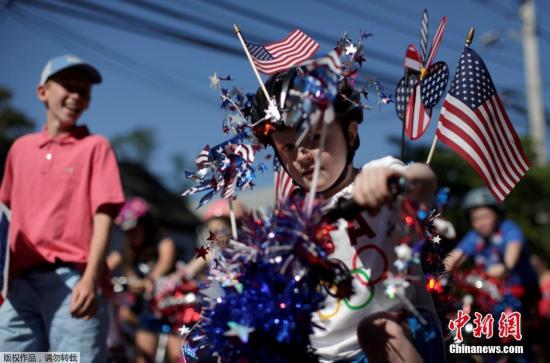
point(120, 20)
point(115, 60)
point(127, 22)
point(399, 27)
point(212, 26)
point(163, 10)
point(279, 23)
point(4, 11)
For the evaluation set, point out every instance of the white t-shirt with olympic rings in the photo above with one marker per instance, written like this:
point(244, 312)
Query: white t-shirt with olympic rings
point(367, 250)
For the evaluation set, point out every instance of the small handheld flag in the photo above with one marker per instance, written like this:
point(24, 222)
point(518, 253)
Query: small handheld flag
point(280, 56)
point(474, 123)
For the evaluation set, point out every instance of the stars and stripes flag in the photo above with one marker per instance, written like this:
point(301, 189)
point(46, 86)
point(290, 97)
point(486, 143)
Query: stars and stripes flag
point(202, 158)
point(331, 60)
point(474, 123)
point(4, 251)
point(283, 182)
point(280, 56)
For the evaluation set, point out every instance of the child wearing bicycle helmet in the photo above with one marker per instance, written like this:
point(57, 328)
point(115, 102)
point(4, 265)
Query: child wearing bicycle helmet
point(368, 326)
point(496, 243)
point(148, 256)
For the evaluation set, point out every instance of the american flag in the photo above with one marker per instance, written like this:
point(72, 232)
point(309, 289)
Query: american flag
point(474, 123)
point(283, 182)
point(202, 158)
point(4, 251)
point(331, 60)
point(280, 56)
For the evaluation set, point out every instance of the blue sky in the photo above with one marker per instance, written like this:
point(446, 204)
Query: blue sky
point(163, 84)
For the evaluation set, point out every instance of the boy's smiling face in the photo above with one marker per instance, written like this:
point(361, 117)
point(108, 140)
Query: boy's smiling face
point(67, 96)
point(300, 160)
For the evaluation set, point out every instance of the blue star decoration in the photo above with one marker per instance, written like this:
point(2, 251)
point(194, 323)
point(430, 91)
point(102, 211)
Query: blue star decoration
point(238, 330)
point(189, 351)
point(202, 252)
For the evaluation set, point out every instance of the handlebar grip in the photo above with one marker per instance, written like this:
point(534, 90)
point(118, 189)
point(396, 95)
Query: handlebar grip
point(349, 208)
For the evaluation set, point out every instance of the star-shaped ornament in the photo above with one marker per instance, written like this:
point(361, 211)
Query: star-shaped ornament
point(436, 239)
point(272, 113)
point(238, 330)
point(184, 330)
point(351, 49)
point(202, 252)
point(214, 81)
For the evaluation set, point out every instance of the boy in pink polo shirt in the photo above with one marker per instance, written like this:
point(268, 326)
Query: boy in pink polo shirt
point(63, 187)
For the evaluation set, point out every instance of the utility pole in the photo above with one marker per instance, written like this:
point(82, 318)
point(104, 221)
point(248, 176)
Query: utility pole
point(535, 106)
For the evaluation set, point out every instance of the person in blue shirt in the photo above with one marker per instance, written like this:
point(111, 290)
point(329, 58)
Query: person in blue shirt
point(498, 246)
point(496, 243)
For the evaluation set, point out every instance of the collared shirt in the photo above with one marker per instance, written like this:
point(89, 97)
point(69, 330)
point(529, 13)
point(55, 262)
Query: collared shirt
point(54, 186)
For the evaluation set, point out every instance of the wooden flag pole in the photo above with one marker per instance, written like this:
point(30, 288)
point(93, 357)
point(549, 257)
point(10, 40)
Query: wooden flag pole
point(232, 218)
point(262, 86)
point(432, 150)
point(405, 117)
point(468, 42)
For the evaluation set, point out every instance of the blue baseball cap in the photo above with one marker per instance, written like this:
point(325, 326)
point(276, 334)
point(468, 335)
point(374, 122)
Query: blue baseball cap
point(58, 64)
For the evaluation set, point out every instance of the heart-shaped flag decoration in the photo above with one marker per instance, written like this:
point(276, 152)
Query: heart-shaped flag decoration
point(434, 84)
point(402, 94)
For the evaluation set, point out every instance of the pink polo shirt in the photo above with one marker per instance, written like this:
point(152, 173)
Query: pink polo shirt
point(54, 187)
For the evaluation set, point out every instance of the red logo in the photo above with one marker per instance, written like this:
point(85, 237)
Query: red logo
point(509, 325)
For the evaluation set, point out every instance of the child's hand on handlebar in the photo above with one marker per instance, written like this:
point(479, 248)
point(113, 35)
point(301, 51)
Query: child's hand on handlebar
point(372, 188)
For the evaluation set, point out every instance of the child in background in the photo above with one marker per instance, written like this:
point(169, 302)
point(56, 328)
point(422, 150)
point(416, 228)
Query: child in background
point(368, 324)
point(498, 246)
point(217, 222)
point(147, 256)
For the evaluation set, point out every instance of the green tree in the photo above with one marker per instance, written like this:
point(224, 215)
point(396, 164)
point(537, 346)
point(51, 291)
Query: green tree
point(13, 123)
point(137, 145)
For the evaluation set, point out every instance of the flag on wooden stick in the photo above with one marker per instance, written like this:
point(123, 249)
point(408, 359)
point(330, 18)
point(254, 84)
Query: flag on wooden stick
point(474, 123)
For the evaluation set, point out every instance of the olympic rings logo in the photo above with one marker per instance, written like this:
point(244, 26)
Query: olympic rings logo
point(364, 278)
point(347, 303)
point(355, 263)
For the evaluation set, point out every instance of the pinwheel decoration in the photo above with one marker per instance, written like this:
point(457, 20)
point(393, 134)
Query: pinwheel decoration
point(225, 168)
point(424, 82)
